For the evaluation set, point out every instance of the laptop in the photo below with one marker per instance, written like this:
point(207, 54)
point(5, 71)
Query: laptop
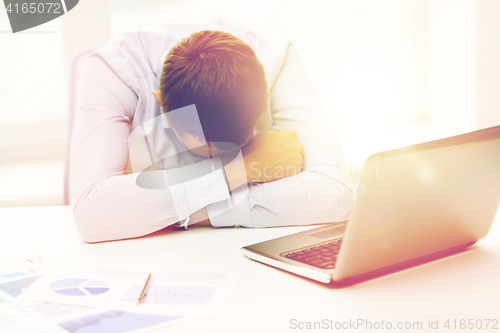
point(420, 203)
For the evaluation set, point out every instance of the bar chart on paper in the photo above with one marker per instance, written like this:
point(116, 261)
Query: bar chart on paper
point(79, 287)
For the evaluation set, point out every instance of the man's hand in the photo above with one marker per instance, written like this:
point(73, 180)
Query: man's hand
point(272, 155)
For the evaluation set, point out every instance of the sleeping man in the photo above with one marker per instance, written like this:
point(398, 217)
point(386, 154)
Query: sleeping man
point(201, 124)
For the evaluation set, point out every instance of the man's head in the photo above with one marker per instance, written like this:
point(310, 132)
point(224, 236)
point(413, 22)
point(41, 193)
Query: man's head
point(222, 76)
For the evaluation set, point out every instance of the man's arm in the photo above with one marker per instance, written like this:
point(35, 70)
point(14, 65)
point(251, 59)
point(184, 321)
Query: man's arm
point(271, 155)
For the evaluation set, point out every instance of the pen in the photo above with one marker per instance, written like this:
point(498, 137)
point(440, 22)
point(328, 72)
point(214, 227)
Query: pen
point(144, 289)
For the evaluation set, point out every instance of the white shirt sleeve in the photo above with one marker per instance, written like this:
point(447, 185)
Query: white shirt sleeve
point(107, 203)
point(322, 192)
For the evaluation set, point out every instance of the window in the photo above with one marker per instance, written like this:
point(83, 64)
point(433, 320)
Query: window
point(34, 98)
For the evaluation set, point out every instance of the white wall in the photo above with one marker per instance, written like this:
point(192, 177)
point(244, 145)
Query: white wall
point(452, 63)
point(488, 63)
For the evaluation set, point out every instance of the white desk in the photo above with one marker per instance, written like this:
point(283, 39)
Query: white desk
point(464, 286)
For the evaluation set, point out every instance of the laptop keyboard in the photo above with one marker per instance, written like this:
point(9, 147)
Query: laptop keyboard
point(321, 255)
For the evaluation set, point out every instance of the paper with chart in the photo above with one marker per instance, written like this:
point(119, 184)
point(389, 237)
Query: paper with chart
point(15, 317)
point(28, 316)
point(32, 316)
point(173, 291)
point(77, 318)
point(16, 277)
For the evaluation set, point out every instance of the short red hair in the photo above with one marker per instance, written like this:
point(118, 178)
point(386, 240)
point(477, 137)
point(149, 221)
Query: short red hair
point(222, 76)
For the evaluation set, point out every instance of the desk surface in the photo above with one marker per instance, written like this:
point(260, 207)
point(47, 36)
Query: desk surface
point(463, 286)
